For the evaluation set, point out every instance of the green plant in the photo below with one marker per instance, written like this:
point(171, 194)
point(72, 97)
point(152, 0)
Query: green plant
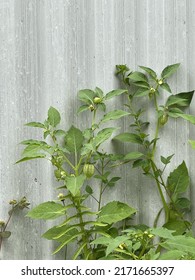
point(171, 189)
point(76, 155)
point(21, 204)
point(85, 170)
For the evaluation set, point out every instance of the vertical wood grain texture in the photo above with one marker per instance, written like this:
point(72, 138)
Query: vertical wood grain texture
point(49, 49)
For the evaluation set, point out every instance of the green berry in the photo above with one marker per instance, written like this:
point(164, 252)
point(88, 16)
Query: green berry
point(88, 170)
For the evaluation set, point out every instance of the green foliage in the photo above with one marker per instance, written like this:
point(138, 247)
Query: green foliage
point(84, 170)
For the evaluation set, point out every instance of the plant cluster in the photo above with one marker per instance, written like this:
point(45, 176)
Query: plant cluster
point(84, 170)
point(21, 204)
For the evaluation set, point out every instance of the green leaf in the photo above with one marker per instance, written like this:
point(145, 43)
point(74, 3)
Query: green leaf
point(133, 155)
point(83, 108)
point(141, 92)
point(169, 70)
point(53, 117)
point(47, 210)
point(35, 124)
point(67, 241)
point(29, 158)
point(99, 92)
point(74, 139)
point(33, 150)
point(129, 137)
point(86, 95)
point(181, 243)
point(88, 189)
point(182, 99)
point(179, 179)
point(32, 141)
point(178, 226)
point(162, 232)
point(103, 240)
point(187, 117)
point(103, 135)
point(183, 203)
point(166, 87)
point(115, 211)
point(114, 115)
point(55, 231)
point(171, 255)
point(74, 183)
point(143, 85)
point(115, 243)
point(151, 72)
point(138, 77)
point(114, 93)
point(166, 160)
point(5, 234)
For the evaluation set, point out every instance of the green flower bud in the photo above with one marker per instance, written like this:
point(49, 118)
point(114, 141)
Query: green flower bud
point(63, 174)
point(91, 107)
point(97, 100)
point(61, 196)
point(160, 82)
point(13, 202)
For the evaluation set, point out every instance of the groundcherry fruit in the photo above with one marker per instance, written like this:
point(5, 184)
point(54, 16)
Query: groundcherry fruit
point(88, 170)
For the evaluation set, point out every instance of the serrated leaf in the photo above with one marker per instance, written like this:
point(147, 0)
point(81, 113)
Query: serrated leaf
point(47, 210)
point(182, 99)
point(5, 234)
point(74, 183)
point(169, 70)
point(138, 77)
point(133, 155)
point(86, 95)
point(53, 117)
point(129, 137)
point(74, 139)
point(114, 115)
point(151, 72)
point(114, 93)
point(35, 124)
point(115, 211)
point(179, 179)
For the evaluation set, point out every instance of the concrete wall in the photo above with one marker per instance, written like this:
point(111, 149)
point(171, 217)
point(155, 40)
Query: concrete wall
point(49, 49)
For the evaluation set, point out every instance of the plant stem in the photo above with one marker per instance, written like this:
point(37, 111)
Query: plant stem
point(165, 206)
point(4, 228)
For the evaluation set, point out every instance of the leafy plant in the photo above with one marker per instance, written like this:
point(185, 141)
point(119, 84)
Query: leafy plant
point(21, 204)
point(149, 86)
point(84, 170)
point(77, 158)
